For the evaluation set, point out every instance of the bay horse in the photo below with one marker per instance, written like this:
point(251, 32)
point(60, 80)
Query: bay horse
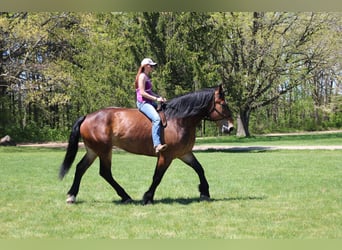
point(130, 130)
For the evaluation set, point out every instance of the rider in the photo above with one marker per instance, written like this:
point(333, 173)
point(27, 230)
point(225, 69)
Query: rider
point(146, 101)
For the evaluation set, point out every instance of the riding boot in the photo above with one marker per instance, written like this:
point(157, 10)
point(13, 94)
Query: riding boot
point(161, 148)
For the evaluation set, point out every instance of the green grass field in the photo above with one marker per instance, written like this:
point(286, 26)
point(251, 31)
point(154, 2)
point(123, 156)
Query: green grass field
point(310, 139)
point(263, 195)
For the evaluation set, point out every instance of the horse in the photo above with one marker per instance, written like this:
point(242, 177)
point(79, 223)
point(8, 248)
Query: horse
point(130, 130)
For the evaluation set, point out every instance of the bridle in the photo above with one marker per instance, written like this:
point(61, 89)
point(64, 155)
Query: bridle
point(214, 109)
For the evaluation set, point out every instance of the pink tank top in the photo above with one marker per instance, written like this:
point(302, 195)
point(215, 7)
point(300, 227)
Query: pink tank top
point(148, 89)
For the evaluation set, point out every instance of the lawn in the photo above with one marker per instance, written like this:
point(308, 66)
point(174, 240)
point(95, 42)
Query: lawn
point(311, 139)
point(255, 195)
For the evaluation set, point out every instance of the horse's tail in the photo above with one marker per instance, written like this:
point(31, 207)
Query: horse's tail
point(72, 148)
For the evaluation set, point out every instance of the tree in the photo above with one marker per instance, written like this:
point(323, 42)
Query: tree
point(181, 44)
point(282, 67)
point(266, 55)
point(29, 43)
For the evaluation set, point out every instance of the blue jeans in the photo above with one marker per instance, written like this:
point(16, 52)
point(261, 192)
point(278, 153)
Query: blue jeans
point(150, 111)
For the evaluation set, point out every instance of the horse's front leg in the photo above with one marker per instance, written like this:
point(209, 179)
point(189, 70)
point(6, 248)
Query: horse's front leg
point(191, 160)
point(162, 164)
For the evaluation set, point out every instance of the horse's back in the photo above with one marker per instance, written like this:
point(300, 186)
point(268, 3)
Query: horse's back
point(130, 130)
point(126, 128)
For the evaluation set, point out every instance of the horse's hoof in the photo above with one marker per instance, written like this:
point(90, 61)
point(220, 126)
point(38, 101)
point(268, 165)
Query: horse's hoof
point(71, 199)
point(204, 197)
point(147, 199)
point(148, 202)
point(127, 201)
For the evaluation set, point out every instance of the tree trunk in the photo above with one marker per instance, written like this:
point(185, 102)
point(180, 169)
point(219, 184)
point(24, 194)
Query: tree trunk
point(243, 124)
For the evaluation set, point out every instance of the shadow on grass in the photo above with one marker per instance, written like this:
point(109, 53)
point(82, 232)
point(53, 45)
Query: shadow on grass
point(188, 201)
point(255, 149)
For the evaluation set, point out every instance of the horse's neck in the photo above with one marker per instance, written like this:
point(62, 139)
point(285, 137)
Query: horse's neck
point(192, 121)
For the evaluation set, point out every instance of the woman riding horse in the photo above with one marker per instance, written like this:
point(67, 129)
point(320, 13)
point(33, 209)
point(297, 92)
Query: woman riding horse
point(146, 99)
point(130, 130)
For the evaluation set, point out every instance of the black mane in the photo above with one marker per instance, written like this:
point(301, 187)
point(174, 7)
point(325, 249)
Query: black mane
point(190, 104)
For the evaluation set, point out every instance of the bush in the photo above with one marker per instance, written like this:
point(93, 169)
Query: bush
point(34, 133)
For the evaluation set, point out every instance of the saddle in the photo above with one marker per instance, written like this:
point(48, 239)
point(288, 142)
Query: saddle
point(160, 110)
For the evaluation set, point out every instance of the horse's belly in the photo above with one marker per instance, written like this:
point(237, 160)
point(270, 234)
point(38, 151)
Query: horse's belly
point(135, 145)
point(135, 137)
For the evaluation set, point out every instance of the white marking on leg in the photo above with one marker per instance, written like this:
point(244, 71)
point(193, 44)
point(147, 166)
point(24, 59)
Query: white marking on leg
point(71, 199)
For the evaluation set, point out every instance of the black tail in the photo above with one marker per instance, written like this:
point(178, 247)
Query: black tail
point(72, 148)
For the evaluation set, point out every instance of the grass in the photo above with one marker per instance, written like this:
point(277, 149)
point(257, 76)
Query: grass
point(263, 195)
point(276, 140)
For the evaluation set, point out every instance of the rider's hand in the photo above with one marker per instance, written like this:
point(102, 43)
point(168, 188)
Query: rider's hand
point(161, 99)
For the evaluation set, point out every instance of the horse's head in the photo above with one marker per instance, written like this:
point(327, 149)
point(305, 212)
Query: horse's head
point(220, 112)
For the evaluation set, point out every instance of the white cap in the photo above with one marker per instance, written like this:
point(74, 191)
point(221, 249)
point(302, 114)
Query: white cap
point(147, 61)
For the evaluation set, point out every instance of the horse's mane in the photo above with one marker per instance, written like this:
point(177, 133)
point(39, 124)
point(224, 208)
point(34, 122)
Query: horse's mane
point(190, 104)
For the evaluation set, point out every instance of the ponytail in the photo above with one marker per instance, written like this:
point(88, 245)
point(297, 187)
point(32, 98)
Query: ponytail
point(140, 70)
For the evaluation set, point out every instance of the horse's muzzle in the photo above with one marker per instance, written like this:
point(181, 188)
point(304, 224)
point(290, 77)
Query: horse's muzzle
point(227, 127)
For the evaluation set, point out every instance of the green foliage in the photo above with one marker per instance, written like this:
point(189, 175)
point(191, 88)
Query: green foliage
point(270, 55)
point(34, 133)
point(280, 70)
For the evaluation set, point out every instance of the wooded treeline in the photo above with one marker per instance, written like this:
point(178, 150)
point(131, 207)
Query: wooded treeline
point(281, 71)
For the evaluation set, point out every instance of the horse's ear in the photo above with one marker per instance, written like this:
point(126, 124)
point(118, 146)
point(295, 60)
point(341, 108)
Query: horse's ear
point(220, 88)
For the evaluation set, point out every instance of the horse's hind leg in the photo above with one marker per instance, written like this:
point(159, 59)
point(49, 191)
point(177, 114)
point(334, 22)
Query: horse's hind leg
point(81, 168)
point(191, 160)
point(106, 173)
